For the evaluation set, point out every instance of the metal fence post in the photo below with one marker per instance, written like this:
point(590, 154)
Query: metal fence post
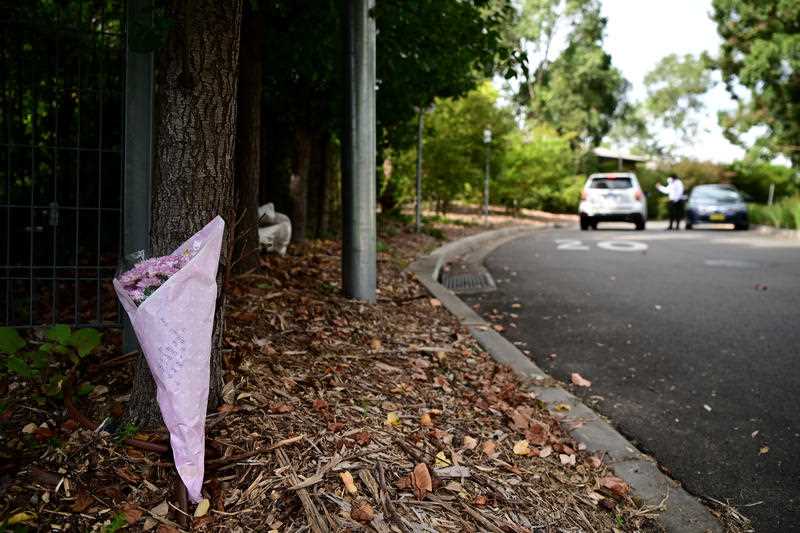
point(138, 144)
point(358, 154)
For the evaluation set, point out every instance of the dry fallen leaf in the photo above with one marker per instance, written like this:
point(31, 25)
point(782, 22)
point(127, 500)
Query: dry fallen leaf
point(392, 419)
point(82, 502)
point(469, 443)
point(19, 518)
point(161, 509)
point(421, 480)
point(521, 447)
point(562, 408)
point(435, 302)
point(480, 500)
point(763, 450)
point(132, 513)
point(566, 459)
point(579, 380)
point(489, 447)
point(594, 461)
point(202, 508)
point(545, 452)
point(375, 345)
point(425, 420)
point(498, 328)
point(362, 511)
point(441, 460)
point(349, 484)
point(615, 485)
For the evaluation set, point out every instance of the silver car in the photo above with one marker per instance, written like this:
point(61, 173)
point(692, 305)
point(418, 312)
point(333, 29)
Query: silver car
point(612, 197)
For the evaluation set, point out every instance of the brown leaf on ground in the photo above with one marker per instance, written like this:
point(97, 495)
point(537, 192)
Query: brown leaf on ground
point(579, 380)
point(522, 447)
point(425, 420)
point(480, 500)
point(281, 408)
point(489, 447)
point(615, 485)
point(421, 481)
point(82, 502)
point(362, 511)
point(132, 513)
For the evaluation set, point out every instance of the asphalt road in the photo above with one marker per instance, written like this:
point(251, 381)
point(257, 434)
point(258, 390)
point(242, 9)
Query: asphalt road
point(691, 340)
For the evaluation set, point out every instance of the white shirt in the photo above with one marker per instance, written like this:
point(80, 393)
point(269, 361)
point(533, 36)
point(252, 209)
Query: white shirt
point(673, 190)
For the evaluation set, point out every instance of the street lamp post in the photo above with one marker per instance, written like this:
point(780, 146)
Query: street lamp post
point(487, 140)
point(418, 199)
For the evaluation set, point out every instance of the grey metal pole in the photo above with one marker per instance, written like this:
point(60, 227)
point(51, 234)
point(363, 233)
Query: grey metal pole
point(418, 199)
point(486, 186)
point(771, 197)
point(358, 154)
point(487, 140)
point(138, 146)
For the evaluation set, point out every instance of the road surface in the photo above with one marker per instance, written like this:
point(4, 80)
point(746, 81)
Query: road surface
point(691, 340)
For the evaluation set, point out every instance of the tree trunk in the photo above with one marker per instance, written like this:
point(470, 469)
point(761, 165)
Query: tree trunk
point(298, 184)
point(318, 182)
point(194, 155)
point(248, 142)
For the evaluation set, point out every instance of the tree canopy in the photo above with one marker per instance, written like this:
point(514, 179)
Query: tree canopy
point(760, 52)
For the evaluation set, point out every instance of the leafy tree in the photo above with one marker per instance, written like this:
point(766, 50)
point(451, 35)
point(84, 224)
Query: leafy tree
point(455, 153)
point(539, 170)
point(761, 52)
point(580, 92)
point(675, 87)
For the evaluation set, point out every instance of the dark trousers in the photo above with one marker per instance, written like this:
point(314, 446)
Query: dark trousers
point(675, 214)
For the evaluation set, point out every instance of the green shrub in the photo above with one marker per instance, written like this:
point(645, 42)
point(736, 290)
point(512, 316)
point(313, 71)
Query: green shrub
point(784, 214)
point(46, 363)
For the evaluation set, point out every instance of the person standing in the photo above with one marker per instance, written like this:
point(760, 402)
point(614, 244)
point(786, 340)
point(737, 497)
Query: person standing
point(674, 192)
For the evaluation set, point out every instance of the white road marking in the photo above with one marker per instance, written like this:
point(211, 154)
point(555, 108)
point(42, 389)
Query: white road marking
point(570, 244)
point(622, 246)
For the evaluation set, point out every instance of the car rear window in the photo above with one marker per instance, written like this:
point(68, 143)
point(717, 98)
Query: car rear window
point(611, 183)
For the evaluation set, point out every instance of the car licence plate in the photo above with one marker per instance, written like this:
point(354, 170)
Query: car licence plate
point(716, 216)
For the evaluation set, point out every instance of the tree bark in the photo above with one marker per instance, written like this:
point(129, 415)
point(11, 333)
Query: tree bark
point(298, 182)
point(248, 142)
point(193, 170)
point(318, 182)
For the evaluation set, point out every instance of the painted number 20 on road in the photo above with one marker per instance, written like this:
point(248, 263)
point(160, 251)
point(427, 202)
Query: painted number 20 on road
point(614, 246)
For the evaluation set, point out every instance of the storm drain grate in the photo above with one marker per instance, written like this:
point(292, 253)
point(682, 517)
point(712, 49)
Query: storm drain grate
point(468, 282)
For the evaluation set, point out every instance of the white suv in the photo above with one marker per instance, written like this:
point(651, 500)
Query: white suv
point(612, 197)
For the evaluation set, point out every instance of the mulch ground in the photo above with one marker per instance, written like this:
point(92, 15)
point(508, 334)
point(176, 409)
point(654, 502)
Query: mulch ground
point(338, 416)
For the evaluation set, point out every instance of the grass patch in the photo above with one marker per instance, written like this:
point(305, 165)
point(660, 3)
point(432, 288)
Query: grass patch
point(784, 214)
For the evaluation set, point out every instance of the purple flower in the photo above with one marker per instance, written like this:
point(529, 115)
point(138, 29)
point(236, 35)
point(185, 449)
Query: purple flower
point(146, 276)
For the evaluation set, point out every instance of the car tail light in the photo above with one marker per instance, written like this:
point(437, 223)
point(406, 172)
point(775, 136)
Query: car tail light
point(584, 194)
point(638, 194)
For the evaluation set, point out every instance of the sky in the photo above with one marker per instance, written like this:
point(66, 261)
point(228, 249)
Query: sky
point(640, 32)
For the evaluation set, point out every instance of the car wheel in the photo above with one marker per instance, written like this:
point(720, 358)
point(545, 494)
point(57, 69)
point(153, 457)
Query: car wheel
point(688, 225)
point(640, 222)
point(593, 224)
point(742, 227)
point(584, 222)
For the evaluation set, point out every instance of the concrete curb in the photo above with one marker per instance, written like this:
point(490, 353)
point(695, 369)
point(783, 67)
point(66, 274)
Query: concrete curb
point(681, 512)
point(780, 233)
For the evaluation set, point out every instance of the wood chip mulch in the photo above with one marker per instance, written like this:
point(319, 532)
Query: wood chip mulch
point(338, 416)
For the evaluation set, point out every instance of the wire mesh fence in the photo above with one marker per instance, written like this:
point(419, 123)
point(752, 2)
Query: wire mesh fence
point(62, 70)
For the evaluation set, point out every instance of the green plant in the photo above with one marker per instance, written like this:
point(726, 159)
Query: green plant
point(50, 362)
point(118, 522)
point(126, 432)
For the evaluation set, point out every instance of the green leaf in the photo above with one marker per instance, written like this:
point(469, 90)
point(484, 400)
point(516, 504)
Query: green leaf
point(85, 340)
point(39, 359)
point(59, 333)
point(10, 341)
point(18, 366)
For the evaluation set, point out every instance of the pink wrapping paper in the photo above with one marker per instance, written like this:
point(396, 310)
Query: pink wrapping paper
point(174, 327)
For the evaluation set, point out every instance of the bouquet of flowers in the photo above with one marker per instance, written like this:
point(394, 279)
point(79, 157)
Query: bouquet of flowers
point(171, 301)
